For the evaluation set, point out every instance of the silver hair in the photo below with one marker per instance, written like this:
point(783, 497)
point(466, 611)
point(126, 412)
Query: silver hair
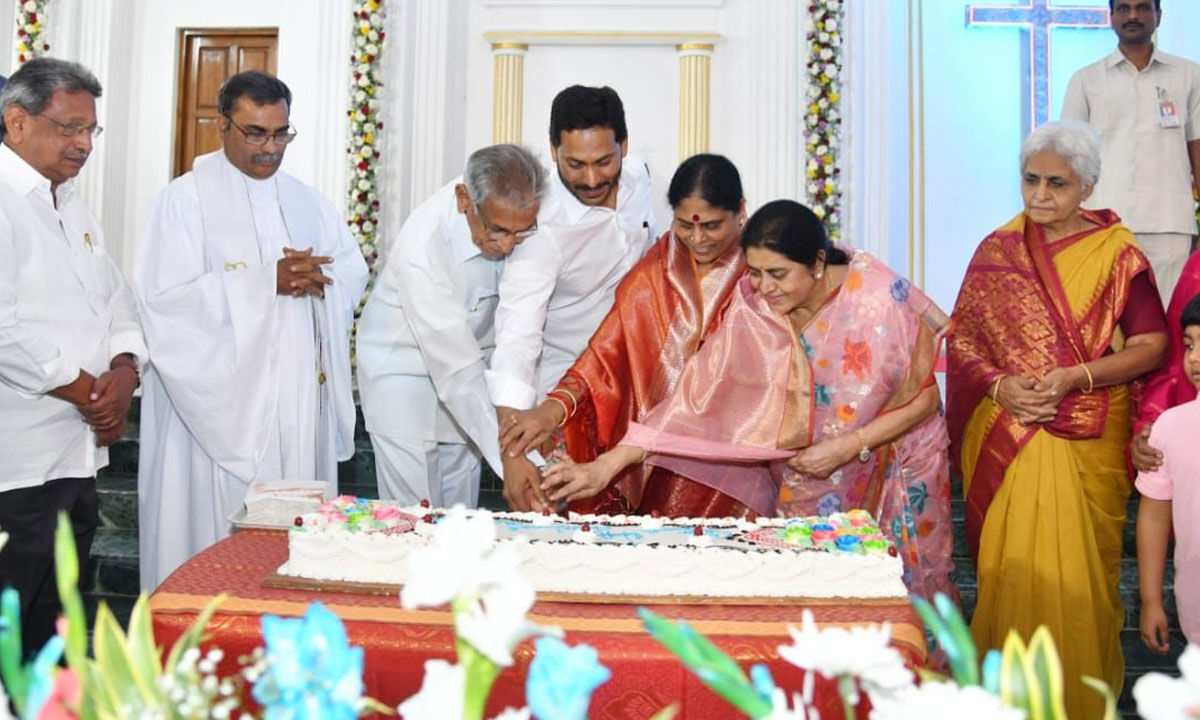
point(508, 174)
point(1074, 141)
point(34, 82)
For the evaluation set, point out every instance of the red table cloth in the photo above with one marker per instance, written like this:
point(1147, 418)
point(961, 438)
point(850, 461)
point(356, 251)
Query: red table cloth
point(646, 677)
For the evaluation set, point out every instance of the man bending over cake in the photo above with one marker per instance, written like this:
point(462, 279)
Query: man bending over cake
point(247, 281)
point(426, 334)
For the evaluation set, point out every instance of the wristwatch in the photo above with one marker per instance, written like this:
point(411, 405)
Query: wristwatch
point(864, 454)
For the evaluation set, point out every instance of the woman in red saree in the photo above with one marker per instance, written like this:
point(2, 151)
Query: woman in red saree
point(817, 388)
point(665, 308)
point(1170, 386)
point(1057, 315)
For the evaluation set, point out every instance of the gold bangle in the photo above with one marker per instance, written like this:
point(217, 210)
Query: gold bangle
point(568, 393)
point(574, 402)
point(566, 413)
point(1091, 381)
point(996, 389)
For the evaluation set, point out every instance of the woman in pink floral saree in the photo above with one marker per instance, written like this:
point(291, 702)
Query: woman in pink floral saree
point(817, 391)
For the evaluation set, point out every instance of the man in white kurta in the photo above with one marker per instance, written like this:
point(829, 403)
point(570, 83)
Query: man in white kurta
point(596, 223)
point(425, 335)
point(247, 282)
point(70, 343)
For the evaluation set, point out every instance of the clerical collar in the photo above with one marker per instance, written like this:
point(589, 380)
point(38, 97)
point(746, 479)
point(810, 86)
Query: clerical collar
point(261, 190)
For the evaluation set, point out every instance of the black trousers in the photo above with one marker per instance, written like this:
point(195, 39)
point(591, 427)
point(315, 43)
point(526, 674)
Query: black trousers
point(30, 516)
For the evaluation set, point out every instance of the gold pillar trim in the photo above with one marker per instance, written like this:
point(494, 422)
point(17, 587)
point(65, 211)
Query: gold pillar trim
point(508, 90)
point(695, 71)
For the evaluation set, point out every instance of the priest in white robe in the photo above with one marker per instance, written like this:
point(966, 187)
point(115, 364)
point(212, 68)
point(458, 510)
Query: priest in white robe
point(247, 281)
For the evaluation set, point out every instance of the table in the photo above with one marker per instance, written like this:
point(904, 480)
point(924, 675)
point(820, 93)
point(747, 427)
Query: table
point(646, 676)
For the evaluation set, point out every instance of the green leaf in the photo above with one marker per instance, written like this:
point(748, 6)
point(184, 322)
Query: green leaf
point(120, 684)
point(1110, 701)
point(144, 658)
point(480, 674)
point(1018, 686)
point(964, 660)
point(714, 668)
point(12, 669)
point(1048, 672)
point(89, 678)
point(66, 568)
point(951, 633)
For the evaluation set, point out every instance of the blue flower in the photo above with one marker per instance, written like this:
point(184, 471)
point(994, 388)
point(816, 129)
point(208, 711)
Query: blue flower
point(312, 672)
point(562, 679)
point(900, 287)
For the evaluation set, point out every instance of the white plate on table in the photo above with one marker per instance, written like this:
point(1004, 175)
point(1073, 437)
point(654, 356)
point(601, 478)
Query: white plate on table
point(239, 522)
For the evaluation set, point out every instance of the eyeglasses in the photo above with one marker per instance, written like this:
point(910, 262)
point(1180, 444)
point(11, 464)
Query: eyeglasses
point(258, 137)
point(497, 234)
point(70, 130)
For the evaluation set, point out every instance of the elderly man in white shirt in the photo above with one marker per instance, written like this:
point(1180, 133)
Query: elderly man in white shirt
point(1146, 105)
point(70, 343)
point(426, 333)
point(597, 221)
point(247, 280)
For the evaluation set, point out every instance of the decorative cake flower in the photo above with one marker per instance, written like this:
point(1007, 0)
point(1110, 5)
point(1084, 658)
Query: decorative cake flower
point(562, 679)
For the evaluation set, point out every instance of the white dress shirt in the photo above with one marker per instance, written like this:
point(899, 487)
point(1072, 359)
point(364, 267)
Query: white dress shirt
point(1145, 173)
point(64, 306)
point(559, 284)
point(426, 334)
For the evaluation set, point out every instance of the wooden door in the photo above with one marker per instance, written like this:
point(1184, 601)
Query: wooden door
point(208, 57)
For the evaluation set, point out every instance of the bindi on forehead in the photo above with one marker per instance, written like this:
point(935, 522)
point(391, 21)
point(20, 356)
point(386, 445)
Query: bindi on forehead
point(695, 217)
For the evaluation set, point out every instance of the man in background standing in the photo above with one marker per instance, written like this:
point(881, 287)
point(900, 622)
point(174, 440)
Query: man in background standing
point(70, 344)
point(1146, 105)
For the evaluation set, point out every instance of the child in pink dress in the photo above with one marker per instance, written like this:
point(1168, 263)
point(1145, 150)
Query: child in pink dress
point(1172, 493)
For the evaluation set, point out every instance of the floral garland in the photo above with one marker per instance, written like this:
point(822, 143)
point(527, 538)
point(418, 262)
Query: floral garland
point(365, 126)
point(823, 121)
point(30, 30)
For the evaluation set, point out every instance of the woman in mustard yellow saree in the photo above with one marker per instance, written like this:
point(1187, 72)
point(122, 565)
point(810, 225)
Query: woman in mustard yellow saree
point(1056, 317)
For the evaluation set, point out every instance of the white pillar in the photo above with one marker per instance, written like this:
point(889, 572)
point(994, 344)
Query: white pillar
point(424, 105)
point(98, 35)
point(776, 75)
point(329, 136)
point(866, 118)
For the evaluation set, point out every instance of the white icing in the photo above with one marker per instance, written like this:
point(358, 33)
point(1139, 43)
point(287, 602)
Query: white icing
point(617, 556)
